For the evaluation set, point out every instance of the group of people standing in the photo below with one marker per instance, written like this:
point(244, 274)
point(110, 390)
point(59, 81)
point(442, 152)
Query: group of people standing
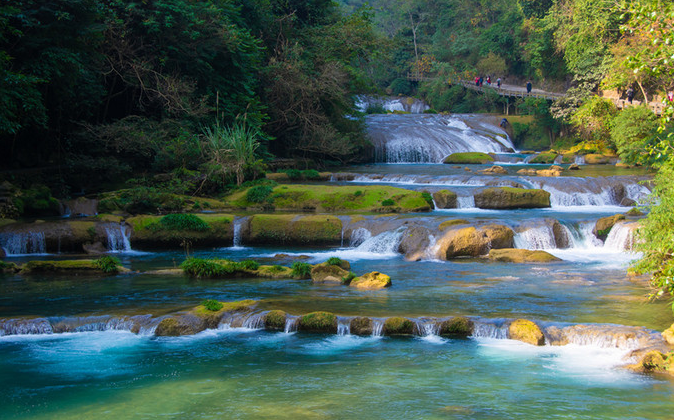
point(479, 80)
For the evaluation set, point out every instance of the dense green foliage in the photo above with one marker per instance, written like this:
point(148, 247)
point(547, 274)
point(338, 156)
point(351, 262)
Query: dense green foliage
point(108, 264)
point(180, 221)
point(301, 269)
point(212, 305)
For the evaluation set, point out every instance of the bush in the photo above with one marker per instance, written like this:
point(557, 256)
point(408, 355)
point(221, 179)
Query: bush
point(358, 193)
point(181, 221)
point(311, 174)
point(428, 197)
point(301, 269)
point(259, 193)
point(212, 305)
point(401, 87)
point(334, 261)
point(348, 278)
point(108, 264)
point(197, 267)
point(387, 202)
point(249, 265)
point(293, 174)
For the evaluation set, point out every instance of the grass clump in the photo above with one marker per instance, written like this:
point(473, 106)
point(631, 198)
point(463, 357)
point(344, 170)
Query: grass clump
point(334, 261)
point(348, 278)
point(108, 264)
point(301, 269)
point(212, 305)
point(428, 197)
point(198, 267)
point(248, 265)
point(388, 202)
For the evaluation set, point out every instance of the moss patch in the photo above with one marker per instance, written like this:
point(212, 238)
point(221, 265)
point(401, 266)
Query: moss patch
point(292, 229)
point(457, 326)
point(328, 199)
point(239, 305)
point(545, 157)
point(275, 320)
point(512, 198)
point(148, 231)
point(398, 326)
point(66, 266)
point(223, 269)
point(467, 158)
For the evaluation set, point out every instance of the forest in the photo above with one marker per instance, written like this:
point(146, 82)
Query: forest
point(197, 97)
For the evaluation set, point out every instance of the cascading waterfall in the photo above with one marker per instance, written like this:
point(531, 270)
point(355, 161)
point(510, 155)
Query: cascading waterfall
point(377, 327)
point(385, 243)
point(538, 237)
point(140, 324)
point(292, 322)
point(343, 326)
point(358, 236)
point(621, 237)
point(15, 244)
point(236, 231)
point(494, 329)
point(579, 160)
point(465, 202)
point(581, 235)
point(254, 321)
point(427, 327)
point(119, 237)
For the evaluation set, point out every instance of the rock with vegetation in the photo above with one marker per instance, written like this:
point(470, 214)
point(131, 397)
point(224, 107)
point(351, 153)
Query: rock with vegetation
point(467, 158)
point(595, 159)
point(445, 199)
point(398, 326)
point(371, 281)
point(544, 157)
point(176, 230)
point(318, 322)
point(668, 335)
point(503, 198)
point(604, 225)
point(361, 325)
point(459, 326)
point(530, 172)
point(221, 268)
point(526, 331)
point(207, 315)
point(327, 273)
point(515, 255)
point(275, 320)
point(104, 265)
point(471, 241)
point(289, 229)
point(494, 170)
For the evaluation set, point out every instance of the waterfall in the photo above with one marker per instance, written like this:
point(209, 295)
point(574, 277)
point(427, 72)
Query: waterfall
point(430, 138)
point(539, 237)
point(621, 237)
point(236, 232)
point(25, 326)
point(377, 327)
point(579, 160)
point(385, 243)
point(118, 237)
point(581, 235)
point(485, 329)
point(359, 236)
point(605, 336)
point(427, 327)
point(140, 324)
point(291, 324)
point(16, 244)
point(391, 104)
point(465, 202)
point(343, 326)
point(254, 321)
point(596, 191)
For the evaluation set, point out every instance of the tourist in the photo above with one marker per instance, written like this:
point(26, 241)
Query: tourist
point(630, 95)
point(498, 82)
point(488, 80)
point(481, 80)
point(477, 81)
point(529, 86)
point(504, 123)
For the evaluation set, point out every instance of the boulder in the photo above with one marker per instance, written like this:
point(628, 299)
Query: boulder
point(553, 170)
point(445, 199)
point(2, 253)
point(398, 326)
point(458, 326)
point(294, 230)
point(468, 158)
point(82, 206)
point(668, 335)
point(526, 331)
point(361, 326)
point(414, 243)
point(627, 202)
point(95, 248)
point(318, 322)
point(326, 273)
point(453, 222)
point(595, 159)
point(371, 281)
point(544, 157)
point(515, 255)
point(473, 242)
point(501, 198)
point(494, 170)
point(634, 212)
point(530, 172)
point(562, 239)
point(574, 167)
point(179, 325)
point(605, 224)
point(275, 320)
point(499, 236)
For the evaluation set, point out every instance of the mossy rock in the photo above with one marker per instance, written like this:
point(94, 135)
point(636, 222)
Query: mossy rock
point(445, 199)
point(458, 326)
point(668, 335)
point(288, 229)
point(361, 326)
point(235, 306)
point(273, 272)
point(275, 320)
point(568, 158)
point(176, 326)
point(371, 281)
point(326, 273)
point(503, 198)
point(6, 267)
point(596, 159)
point(473, 242)
point(66, 267)
point(604, 225)
point(468, 158)
point(515, 255)
point(147, 232)
point(545, 157)
point(449, 223)
point(634, 212)
point(526, 331)
point(398, 326)
point(318, 322)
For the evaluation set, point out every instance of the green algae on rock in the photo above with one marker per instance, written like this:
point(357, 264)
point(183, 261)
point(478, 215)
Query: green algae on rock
point(501, 198)
point(295, 229)
point(398, 326)
point(526, 331)
point(460, 326)
point(275, 320)
point(318, 322)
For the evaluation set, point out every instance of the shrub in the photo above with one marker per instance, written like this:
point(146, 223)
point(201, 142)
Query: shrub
point(197, 267)
point(301, 269)
point(311, 174)
point(387, 202)
point(428, 197)
point(212, 305)
point(249, 265)
point(334, 261)
point(375, 109)
point(347, 279)
point(181, 221)
point(108, 264)
point(358, 193)
point(258, 193)
point(294, 174)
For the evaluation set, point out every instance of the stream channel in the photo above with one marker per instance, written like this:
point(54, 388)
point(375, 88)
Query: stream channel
point(99, 369)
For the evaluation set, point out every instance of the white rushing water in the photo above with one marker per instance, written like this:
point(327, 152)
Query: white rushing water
point(26, 243)
point(119, 237)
